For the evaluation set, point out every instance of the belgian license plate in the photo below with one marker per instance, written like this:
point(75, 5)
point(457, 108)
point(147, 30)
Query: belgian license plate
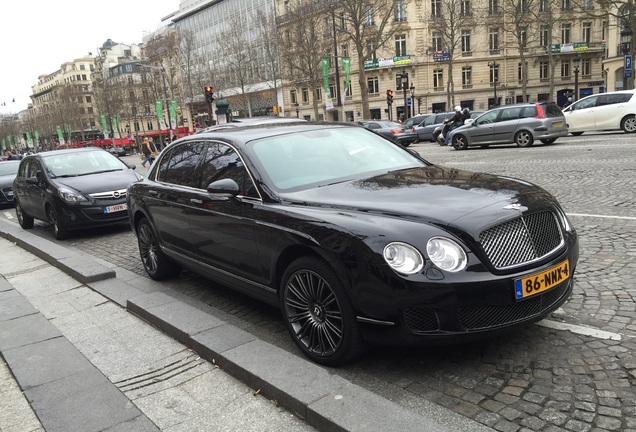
point(557, 124)
point(540, 282)
point(115, 208)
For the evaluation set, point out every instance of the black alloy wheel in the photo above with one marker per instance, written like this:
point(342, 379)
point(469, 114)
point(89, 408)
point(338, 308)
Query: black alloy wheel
point(318, 313)
point(59, 231)
point(25, 221)
point(629, 124)
point(155, 262)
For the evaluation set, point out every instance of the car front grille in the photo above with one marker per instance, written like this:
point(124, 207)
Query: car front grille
point(7, 193)
point(484, 317)
point(522, 240)
point(420, 320)
point(109, 195)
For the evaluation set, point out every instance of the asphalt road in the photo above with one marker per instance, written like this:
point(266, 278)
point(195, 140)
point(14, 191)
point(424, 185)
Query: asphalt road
point(573, 372)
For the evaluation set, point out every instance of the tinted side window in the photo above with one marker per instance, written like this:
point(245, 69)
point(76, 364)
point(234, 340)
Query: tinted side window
point(552, 110)
point(178, 166)
point(510, 114)
point(528, 111)
point(373, 126)
point(222, 162)
point(585, 103)
point(489, 117)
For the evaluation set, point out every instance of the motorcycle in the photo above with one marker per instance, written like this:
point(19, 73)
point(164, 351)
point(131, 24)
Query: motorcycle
point(440, 132)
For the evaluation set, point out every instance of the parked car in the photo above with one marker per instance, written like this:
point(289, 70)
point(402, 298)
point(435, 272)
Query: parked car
point(394, 131)
point(8, 171)
point(118, 151)
point(354, 238)
point(251, 121)
point(72, 189)
point(426, 128)
point(603, 112)
point(521, 124)
point(415, 120)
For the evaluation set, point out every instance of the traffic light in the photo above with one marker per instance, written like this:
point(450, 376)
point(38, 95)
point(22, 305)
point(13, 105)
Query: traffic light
point(389, 97)
point(209, 94)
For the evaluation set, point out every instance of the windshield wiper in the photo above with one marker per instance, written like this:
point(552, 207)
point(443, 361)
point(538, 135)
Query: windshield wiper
point(99, 172)
point(65, 175)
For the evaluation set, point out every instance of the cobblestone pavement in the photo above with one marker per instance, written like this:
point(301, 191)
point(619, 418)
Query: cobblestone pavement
point(542, 378)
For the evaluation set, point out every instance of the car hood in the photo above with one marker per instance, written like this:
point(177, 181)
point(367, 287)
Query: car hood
point(102, 182)
point(7, 180)
point(431, 194)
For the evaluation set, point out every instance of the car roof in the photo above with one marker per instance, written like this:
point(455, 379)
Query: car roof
point(241, 122)
point(65, 151)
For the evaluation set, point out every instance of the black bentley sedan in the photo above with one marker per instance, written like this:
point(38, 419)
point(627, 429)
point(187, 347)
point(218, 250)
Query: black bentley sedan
point(72, 189)
point(355, 238)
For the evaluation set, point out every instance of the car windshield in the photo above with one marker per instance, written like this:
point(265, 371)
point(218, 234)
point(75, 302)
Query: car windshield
point(8, 168)
point(326, 156)
point(74, 164)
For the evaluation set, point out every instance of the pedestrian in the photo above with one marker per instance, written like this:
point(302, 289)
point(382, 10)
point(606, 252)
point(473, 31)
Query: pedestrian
point(153, 150)
point(146, 150)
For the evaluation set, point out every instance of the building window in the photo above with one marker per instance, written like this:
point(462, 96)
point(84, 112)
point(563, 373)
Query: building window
point(305, 93)
point(586, 67)
point(565, 5)
point(332, 90)
point(565, 33)
point(493, 7)
point(400, 45)
point(565, 68)
point(544, 35)
point(467, 77)
point(523, 6)
point(494, 73)
point(373, 84)
point(465, 41)
point(344, 50)
point(292, 96)
point(438, 79)
point(436, 8)
point(371, 51)
point(399, 11)
point(588, 4)
point(82, 67)
point(493, 38)
point(465, 8)
point(543, 71)
point(587, 31)
point(347, 91)
point(88, 99)
point(369, 19)
point(521, 71)
point(318, 93)
point(127, 53)
point(149, 125)
point(523, 37)
point(437, 41)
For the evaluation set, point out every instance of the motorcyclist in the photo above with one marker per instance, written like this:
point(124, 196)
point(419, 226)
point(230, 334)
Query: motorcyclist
point(453, 122)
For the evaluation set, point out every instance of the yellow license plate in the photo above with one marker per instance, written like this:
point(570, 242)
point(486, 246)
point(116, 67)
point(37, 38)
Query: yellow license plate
point(540, 282)
point(557, 124)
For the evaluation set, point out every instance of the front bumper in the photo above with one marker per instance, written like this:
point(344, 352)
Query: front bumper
point(92, 215)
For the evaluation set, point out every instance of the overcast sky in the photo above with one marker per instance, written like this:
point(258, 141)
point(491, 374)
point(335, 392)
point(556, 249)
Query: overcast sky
point(39, 35)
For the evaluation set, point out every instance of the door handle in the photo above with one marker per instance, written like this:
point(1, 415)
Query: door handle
point(153, 192)
point(196, 202)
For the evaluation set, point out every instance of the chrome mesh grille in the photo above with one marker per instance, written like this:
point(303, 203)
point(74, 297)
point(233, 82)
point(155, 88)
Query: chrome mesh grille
point(522, 240)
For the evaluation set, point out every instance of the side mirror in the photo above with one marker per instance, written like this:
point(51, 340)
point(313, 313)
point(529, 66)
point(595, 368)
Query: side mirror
point(224, 186)
point(469, 121)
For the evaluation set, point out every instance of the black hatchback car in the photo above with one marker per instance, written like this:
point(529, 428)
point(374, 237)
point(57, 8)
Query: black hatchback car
point(72, 189)
point(354, 237)
point(8, 171)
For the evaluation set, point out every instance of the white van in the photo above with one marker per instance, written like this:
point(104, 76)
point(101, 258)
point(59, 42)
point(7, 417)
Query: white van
point(603, 112)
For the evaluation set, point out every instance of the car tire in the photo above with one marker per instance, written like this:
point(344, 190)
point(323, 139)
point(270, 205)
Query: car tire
point(155, 262)
point(460, 142)
point(629, 124)
point(548, 140)
point(59, 231)
point(318, 313)
point(25, 221)
point(524, 139)
point(576, 133)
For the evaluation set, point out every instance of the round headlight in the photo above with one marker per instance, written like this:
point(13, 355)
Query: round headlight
point(446, 254)
point(403, 258)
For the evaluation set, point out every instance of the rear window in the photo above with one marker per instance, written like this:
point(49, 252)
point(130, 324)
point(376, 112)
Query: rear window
point(552, 110)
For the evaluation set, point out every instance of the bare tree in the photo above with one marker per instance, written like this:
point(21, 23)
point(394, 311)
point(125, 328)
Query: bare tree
point(269, 70)
point(447, 22)
point(369, 25)
point(302, 46)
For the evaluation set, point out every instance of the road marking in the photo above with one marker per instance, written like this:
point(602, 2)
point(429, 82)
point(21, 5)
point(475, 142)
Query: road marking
point(8, 215)
point(582, 330)
point(602, 216)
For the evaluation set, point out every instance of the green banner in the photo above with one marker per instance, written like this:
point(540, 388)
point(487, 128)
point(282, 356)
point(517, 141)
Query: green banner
point(115, 125)
point(159, 112)
point(346, 65)
point(4, 144)
point(37, 136)
point(102, 118)
point(173, 113)
point(325, 78)
point(60, 136)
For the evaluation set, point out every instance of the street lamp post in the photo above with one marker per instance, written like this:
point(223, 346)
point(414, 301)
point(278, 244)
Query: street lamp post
point(576, 61)
point(404, 79)
point(412, 107)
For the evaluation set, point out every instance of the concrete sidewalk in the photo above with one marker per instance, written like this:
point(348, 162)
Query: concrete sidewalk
point(194, 373)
